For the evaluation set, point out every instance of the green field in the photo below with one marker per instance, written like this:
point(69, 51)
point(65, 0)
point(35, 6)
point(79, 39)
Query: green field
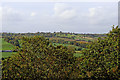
point(5, 45)
point(6, 54)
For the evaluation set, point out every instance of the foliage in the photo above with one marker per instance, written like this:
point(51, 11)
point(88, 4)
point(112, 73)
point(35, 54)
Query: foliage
point(37, 58)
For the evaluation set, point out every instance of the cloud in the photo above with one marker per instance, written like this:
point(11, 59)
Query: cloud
point(64, 11)
point(60, 7)
point(92, 11)
point(14, 19)
point(8, 10)
point(68, 14)
point(94, 19)
point(9, 14)
point(33, 14)
point(102, 15)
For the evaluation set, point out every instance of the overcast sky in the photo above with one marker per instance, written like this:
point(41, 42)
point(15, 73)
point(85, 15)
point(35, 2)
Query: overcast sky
point(80, 17)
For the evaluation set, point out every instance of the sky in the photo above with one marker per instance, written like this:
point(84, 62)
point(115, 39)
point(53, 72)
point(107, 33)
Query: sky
point(78, 17)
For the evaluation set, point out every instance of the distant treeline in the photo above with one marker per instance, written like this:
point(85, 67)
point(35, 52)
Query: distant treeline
point(55, 34)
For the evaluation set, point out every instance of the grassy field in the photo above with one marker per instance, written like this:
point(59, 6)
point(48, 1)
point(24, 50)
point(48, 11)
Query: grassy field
point(5, 45)
point(6, 54)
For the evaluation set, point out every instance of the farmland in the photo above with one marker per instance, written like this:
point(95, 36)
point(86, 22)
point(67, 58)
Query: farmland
point(70, 40)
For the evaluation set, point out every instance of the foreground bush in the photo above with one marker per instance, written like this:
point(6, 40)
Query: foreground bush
point(36, 59)
point(101, 58)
